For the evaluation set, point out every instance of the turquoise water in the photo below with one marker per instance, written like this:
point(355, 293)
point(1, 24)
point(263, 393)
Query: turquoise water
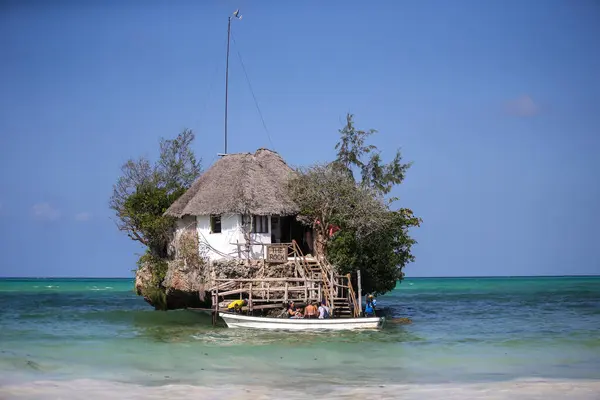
point(464, 330)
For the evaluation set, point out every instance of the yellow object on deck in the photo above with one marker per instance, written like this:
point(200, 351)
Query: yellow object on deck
point(235, 304)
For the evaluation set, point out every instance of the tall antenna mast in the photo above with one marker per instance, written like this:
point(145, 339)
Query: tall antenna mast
point(237, 15)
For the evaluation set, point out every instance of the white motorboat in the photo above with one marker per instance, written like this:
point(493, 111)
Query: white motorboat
point(301, 324)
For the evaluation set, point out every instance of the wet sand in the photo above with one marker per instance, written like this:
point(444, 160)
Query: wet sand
point(95, 389)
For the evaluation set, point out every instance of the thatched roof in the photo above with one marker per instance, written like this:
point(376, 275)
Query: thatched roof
point(239, 183)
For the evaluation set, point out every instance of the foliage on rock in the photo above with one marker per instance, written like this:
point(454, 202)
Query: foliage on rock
point(156, 297)
point(157, 266)
point(345, 203)
point(188, 249)
point(189, 270)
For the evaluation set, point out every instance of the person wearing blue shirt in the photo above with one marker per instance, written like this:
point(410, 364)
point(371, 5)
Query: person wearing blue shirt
point(370, 308)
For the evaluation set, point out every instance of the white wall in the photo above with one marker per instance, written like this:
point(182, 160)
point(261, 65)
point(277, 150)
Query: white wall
point(225, 241)
point(258, 251)
point(186, 223)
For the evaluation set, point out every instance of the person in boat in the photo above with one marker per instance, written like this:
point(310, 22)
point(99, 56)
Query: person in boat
point(292, 311)
point(236, 305)
point(370, 307)
point(323, 311)
point(310, 311)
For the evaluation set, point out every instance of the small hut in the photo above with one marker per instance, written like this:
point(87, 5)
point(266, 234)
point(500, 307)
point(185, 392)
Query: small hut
point(239, 205)
point(239, 209)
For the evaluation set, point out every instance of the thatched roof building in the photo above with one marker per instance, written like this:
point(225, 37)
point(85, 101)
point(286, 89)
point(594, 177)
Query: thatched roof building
point(242, 183)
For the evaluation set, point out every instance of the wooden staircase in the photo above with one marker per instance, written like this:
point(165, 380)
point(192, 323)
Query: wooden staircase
point(313, 281)
point(338, 292)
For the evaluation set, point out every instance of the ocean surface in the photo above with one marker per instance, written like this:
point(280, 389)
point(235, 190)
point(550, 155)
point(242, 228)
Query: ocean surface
point(469, 338)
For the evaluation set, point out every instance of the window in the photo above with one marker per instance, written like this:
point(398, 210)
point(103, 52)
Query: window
point(215, 224)
point(260, 223)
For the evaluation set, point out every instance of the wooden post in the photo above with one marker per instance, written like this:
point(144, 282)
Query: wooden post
point(285, 297)
point(213, 275)
point(359, 292)
point(241, 287)
point(319, 293)
point(331, 291)
point(250, 299)
point(212, 305)
point(305, 292)
point(216, 301)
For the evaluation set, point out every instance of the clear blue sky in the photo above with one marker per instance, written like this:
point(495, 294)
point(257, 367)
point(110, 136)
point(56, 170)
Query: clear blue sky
point(497, 103)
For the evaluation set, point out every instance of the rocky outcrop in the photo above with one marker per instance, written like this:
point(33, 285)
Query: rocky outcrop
point(187, 286)
point(183, 286)
point(186, 279)
point(143, 279)
point(229, 269)
point(180, 282)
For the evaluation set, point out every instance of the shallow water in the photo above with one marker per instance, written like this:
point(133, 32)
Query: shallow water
point(465, 332)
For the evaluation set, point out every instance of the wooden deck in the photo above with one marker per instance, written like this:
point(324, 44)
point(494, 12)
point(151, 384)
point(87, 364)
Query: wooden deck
point(313, 282)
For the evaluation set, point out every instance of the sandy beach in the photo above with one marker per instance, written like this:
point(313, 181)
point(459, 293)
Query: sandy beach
point(95, 389)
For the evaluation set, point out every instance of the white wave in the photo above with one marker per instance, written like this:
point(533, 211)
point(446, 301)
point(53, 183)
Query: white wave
point(89, 389)
point(104, 288)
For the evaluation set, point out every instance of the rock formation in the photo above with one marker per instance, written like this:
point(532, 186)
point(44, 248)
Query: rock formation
point(187, 286)
point(189, 276)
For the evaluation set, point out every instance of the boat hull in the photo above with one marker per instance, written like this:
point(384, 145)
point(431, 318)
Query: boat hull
point(300, 324)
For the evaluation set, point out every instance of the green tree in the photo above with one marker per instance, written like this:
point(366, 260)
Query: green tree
point(380, 255)
point(353, 153)
point(373, 237)
point(140, 198)
point(144, 192)
point(145, 208)
point(328, 196)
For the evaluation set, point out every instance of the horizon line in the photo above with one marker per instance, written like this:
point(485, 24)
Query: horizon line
point(406, 277)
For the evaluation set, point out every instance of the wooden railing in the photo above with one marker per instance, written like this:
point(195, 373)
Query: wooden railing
point(332, 289)
point(315, 281)
point(271, 292)
point(352, 297)
point(327, 275)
